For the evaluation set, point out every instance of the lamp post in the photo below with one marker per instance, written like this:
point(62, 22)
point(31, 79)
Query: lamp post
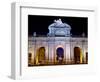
point(83, 35)
point(71, 60)
point(34, 40)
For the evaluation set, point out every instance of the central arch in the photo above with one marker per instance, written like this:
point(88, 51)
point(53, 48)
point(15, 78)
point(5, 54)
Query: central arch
point(60, 54)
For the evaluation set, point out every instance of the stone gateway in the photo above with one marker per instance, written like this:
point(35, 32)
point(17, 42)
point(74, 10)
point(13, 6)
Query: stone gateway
point(58, 47)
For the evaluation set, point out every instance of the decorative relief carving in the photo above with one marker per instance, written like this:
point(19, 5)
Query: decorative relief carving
point(58, 28)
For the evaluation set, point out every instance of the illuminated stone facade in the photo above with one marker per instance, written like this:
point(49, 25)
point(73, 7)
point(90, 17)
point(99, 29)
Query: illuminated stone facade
point(59, 46)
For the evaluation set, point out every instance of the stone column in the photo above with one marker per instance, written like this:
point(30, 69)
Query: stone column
point(51, 52)
point(67, 53)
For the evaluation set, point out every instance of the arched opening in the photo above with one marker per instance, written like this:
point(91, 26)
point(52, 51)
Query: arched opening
point(87, 57)
point(60, 55)
point(29, 59)
point(40, 56)
point(77, 55)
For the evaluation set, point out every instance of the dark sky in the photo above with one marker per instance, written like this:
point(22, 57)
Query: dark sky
point(39, 24)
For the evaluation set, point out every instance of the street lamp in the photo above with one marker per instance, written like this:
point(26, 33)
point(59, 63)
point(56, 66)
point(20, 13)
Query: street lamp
point(83, 35)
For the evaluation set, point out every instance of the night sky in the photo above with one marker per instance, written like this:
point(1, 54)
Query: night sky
point(39, 24)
